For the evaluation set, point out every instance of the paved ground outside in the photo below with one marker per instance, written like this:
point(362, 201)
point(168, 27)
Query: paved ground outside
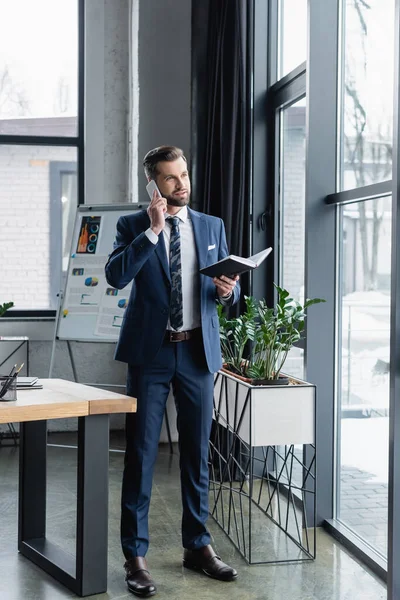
point(364, 507)
point(364, 478)
point(363, 495)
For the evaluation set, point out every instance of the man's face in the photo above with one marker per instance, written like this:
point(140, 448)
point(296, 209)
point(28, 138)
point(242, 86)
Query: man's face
point(173, 181)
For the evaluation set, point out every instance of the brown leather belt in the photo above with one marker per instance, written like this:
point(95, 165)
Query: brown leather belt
point(181, 336)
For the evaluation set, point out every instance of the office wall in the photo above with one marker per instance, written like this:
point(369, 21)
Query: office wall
point(107, 101)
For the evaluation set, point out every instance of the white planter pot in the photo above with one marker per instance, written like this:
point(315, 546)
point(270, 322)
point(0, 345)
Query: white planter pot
point(266, 415)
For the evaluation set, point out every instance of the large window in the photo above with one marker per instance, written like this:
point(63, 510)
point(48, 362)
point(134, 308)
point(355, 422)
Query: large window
point(367, 92)
point(350, 253)
point(364, 237)
point(364, 355)
point(41, 146)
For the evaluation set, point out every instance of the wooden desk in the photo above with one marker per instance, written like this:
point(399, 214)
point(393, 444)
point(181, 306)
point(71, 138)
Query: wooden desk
point(86, 573)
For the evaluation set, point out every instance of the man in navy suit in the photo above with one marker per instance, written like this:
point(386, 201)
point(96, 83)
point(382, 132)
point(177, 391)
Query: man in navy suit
point(170, 334)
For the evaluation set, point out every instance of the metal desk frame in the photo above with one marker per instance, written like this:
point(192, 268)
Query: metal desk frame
point(86, 573)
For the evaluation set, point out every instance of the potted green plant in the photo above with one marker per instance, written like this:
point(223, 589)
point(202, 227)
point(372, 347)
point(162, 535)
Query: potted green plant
point(255, 345)
point(4, 308)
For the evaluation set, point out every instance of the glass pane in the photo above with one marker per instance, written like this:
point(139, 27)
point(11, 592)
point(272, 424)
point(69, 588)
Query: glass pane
point(292, 203)
point(364, 364)
point(366, 139)
point(293, 35)
point(39, 67)
point(31, 232)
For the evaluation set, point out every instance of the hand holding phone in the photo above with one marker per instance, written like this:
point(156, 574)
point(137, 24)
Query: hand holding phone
point(157, 207)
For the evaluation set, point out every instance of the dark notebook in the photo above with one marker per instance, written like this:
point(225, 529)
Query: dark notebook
point(234, 265)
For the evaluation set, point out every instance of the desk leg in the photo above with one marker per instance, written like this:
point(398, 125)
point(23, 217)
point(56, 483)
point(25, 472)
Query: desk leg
point(92, 513)
point(32, 481)
point(85, 574)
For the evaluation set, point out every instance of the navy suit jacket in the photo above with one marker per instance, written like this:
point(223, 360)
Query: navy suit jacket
point(136, 258)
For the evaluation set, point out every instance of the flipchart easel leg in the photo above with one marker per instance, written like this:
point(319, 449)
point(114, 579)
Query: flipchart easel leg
point(60, 296)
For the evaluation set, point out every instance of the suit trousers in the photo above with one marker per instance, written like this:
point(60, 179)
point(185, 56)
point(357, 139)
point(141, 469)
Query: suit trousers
point(184, 365)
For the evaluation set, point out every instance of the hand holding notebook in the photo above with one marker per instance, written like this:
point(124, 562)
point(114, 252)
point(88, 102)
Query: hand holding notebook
point(234, 265)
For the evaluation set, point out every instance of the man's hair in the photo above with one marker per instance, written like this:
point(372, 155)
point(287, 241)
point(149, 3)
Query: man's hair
point(160, 154)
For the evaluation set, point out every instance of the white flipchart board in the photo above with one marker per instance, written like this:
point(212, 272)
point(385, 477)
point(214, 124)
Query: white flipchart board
point(91, 310)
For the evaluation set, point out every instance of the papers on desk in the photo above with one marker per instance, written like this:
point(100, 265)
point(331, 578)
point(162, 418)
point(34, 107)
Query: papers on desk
point(28, 383)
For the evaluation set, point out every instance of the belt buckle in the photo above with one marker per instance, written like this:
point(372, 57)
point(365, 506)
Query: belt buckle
point(172, 337)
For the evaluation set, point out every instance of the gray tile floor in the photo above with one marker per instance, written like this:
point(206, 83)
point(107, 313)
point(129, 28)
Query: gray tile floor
point(334, 575)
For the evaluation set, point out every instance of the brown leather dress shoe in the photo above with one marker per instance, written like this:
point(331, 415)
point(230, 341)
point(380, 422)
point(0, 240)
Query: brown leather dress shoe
point(138, 578)
point(205, 560)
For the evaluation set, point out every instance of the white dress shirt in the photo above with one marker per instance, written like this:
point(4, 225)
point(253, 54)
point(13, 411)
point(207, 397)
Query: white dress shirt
point(190, 268)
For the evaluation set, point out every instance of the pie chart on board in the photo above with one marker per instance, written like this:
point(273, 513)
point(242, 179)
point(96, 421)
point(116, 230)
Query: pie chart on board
point(91, 281)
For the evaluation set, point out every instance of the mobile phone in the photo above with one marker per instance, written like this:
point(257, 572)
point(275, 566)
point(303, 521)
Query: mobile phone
point(151, 187)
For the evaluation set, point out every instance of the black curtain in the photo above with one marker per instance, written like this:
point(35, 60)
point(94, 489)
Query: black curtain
point(221, 116)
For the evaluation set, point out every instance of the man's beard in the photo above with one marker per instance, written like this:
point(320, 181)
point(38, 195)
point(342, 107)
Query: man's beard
point(177, 201)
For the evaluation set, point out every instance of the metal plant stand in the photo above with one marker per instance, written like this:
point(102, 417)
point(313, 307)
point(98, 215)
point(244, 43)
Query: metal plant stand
point(263, 497)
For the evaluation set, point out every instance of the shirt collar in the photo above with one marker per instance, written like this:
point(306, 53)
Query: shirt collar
point(182, 214)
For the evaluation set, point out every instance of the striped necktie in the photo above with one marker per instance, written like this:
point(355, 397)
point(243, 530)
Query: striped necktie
point(175, 267)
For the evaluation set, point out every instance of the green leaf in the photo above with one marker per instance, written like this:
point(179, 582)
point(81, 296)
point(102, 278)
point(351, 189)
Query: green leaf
point(311, 301)
point(4, 307)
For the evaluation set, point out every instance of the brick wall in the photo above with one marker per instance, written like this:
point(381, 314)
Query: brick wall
point(293, 210)
point(25, 223)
